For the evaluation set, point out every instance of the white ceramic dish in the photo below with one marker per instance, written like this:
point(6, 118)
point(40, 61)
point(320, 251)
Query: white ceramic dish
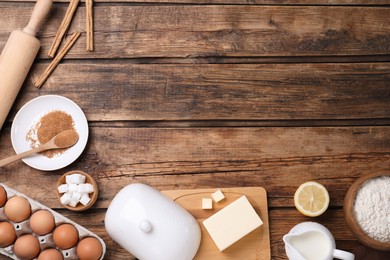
point(30, 113)
point(152, 226)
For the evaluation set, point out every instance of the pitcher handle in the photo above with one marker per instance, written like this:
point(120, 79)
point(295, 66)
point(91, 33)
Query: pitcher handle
point(340, 254)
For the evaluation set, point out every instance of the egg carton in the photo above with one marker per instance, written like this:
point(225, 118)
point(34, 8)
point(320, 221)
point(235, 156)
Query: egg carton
point(45, 241)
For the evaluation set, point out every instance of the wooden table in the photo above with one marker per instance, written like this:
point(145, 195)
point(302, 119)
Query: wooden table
point(184, 94)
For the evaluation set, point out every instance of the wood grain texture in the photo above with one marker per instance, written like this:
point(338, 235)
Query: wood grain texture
point(189, 94)
point(279, 159)
point(115, 91)
point(127, 31)
point(241, 2)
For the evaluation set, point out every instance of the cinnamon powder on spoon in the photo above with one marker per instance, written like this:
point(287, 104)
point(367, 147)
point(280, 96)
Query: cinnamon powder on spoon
point(66, 139)
point(47, 127)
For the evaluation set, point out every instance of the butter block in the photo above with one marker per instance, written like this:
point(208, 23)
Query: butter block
point(232, 223)
point(218, 196)
point(207, 203)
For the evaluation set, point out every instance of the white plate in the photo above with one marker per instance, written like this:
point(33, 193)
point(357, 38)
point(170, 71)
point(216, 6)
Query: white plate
point(31, 113)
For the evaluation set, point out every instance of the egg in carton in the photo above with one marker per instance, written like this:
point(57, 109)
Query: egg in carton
point(46, 241)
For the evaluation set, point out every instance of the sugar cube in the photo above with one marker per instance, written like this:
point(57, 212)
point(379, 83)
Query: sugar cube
point(75, 199)
point(72, 188)
point(69, 179)
point(85, 188)
point(72, 204)
point(78, 178)
point(65, 199)
point(76, 196)
point(85, 199)
point(63, 188)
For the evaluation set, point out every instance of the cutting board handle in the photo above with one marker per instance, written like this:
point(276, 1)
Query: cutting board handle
point(41, 9)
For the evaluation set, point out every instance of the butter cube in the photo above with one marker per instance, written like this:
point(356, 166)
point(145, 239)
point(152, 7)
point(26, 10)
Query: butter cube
point(218, 196)
point(232, 223)
point(207, 203)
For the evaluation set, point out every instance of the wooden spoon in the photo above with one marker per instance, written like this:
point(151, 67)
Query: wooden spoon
point(64, 139)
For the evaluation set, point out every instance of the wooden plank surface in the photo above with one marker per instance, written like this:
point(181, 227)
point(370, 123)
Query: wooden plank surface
point(128, 31)
point(167, 158)
point(240, 2)
point(189, 94)
point(122, 92)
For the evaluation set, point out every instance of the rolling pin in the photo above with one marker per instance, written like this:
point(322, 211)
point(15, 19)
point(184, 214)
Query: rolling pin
point(17, 57)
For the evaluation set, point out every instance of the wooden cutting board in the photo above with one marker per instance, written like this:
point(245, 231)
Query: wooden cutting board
point(254, 246)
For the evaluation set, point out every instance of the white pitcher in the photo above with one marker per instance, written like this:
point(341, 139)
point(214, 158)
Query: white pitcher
point(312, 241)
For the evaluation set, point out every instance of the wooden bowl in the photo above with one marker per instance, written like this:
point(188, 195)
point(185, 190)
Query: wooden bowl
point(88, 179)
point(349, 215)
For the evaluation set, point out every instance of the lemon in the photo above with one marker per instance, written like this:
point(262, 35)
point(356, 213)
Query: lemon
point(311, 199)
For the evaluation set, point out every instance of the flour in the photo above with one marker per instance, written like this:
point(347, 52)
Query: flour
point(372, 208)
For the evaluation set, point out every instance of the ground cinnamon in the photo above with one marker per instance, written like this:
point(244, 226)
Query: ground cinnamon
point(47, 127)
point(66, 139)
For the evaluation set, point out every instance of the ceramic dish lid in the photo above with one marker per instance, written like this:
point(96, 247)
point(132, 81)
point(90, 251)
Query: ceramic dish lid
point(151, 226)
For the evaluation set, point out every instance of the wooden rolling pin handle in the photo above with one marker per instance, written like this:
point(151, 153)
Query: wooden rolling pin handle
point(41, 9)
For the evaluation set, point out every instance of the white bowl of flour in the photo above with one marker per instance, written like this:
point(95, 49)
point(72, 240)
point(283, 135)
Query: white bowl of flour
point(367, 210)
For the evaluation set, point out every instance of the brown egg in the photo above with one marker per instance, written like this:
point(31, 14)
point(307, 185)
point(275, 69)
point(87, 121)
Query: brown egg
point(7, 234)
point(89, 249)
point(42, 222)
point(3, 196)
point(26, 247)
point(65, 236)
point(50, 254)
point(17, 209)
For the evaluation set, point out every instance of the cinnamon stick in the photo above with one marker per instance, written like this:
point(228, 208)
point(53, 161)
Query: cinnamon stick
point(89, 24)
point(63, 27)
point(57, 59)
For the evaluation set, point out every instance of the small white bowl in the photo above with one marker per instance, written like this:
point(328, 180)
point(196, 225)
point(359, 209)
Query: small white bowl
point(31, 113)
